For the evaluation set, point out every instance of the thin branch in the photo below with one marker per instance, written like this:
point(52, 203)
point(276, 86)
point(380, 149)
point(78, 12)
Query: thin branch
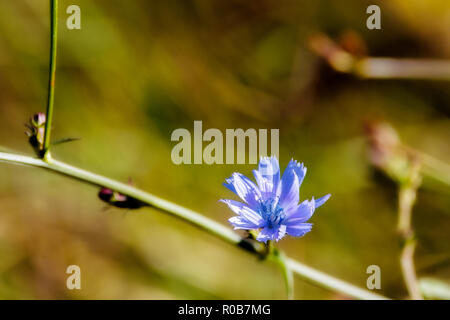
point(307, 273)
point(387, 151)
point(52, 74)
point(406, 198)
point(409, 270)
point(396, 68)
point(326, 281)
point(434, 168)
point(405, 166)
point(378, 67)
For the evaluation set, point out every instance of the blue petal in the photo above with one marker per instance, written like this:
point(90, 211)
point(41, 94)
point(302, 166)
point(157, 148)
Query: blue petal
point(298, 230)
point(253, 217)
point(271, 233)
point(265, 186)
point(322, 200)
point(248, 219)
point(270, 170)
point(235, 206)
point(298, 168)
point(290, 191)
point(241, 223)
point(267, 234)
point(281, 232)
point(300, 171)
point(301, 213)
point(290, 184)
point(229, 185)
point(244, 188)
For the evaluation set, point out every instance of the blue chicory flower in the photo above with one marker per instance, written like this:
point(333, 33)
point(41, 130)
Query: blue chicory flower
point(272, 206)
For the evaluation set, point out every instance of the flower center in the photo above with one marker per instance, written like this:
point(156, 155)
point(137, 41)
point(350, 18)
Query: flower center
point(271, 212)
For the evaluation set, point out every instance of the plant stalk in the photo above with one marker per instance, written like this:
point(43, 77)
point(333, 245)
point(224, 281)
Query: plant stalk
point(51, 77)
point(218, 230)
point(406, 198)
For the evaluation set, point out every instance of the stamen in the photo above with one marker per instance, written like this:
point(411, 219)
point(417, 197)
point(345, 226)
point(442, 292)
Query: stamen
point(271, 212)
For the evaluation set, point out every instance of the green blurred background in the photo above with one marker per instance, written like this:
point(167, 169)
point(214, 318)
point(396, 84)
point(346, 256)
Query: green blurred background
point(139, 69)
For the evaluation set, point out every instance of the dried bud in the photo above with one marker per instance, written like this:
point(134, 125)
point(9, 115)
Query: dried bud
point(387, 152)
point(352, 42)
point(119, 200)
point(383, 142)
point(38, 119)
point(36, 131)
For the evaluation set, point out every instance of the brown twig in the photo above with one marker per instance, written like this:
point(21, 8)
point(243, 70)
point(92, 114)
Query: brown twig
point(404, 166)
point(406, 199)
point(378, 67)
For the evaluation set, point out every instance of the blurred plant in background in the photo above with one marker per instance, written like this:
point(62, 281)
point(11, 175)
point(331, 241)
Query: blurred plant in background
point(138, 70)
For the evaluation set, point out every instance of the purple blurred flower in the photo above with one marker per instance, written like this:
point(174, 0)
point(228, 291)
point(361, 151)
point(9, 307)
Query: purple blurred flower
point(272, 205)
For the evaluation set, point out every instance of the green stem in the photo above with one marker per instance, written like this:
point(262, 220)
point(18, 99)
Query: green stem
point(52, 73)
point(326, 281)
point(280, 259)
point(307, 273)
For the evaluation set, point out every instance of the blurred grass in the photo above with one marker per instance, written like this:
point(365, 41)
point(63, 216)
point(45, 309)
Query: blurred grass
point(138, 70)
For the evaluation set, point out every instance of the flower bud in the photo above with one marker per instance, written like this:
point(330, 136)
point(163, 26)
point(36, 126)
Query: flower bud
point(119, 200)
point(387, 153)
point(36, 131)
point(38, 119)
